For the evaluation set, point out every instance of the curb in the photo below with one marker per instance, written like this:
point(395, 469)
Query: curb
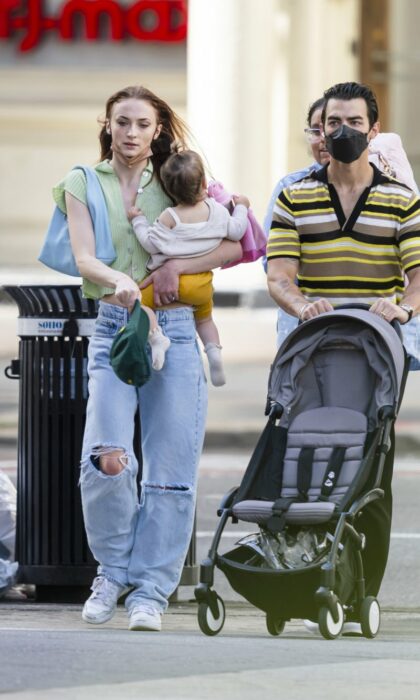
point(406, 443)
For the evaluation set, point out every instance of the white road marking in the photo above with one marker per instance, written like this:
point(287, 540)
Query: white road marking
point(201, 534)
point(234, 535)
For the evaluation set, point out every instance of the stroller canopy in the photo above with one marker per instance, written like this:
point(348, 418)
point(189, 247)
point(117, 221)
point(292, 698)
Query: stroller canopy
point(347, 358)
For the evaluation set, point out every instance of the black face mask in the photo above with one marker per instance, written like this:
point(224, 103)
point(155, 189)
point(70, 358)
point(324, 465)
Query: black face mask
point(346, 144)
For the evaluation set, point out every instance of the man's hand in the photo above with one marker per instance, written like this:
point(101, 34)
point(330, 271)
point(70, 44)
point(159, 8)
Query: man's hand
point(165, 282)
point(389, 311)
point(311, 309)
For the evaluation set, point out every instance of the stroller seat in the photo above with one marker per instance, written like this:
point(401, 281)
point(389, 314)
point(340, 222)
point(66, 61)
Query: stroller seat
point(324, 451)
point(298, 513)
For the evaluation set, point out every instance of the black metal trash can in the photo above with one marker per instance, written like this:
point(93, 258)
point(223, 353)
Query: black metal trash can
point(54, 325)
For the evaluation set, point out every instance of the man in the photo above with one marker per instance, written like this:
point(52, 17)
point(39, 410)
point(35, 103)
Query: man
point(387, 153)
point(348, 233)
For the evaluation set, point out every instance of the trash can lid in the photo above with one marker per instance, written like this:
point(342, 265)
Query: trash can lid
point(52, 301)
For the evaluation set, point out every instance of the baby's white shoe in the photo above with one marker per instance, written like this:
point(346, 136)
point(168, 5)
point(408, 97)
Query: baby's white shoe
point(214, 356)
point(159, 344)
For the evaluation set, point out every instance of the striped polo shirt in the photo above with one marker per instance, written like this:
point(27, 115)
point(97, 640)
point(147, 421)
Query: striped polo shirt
point(151, 199)
point(358, 259)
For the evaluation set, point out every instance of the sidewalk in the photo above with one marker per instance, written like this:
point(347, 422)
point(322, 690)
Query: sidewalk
point(241, 618)
point(49, 653)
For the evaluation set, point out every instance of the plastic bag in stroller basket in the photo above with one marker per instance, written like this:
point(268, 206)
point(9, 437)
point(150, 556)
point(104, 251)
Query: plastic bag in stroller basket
point(281, 573)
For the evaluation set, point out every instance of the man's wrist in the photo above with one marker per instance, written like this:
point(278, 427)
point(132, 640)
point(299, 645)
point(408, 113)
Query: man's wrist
point(305, 305)
point(409, 310)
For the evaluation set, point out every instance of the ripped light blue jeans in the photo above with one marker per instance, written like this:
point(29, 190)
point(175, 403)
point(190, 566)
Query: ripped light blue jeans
point(144, 544)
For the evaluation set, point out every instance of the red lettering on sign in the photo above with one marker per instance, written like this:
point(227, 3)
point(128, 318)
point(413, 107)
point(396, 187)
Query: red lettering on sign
point(92, 12)
point(145, 20)
point(163, 12)
point(6, 8)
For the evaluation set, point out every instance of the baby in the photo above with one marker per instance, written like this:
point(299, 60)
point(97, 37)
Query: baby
point(196, 225)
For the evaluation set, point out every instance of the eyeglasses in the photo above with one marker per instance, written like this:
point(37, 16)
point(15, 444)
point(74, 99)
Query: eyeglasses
point(313, 135)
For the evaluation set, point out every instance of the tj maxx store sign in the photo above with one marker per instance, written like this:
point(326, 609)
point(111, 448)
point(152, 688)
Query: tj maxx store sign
point(144, 20)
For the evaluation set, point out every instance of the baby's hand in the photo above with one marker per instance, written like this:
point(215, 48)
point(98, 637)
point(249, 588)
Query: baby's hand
point(241, 199)
point(133, 212)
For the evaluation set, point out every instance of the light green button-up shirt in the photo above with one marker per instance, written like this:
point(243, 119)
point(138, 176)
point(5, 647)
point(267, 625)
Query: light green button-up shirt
point(151, 199)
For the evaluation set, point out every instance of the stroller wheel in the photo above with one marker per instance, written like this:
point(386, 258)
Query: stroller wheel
point(275, 625)
point(209, 624)
point(328, 628)
point(370, 617)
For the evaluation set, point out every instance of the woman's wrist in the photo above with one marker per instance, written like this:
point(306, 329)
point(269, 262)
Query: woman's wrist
point(117, 280)
point(122, 278)
point(175, 265)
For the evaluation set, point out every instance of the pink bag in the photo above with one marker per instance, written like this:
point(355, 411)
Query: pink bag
point(253, 241)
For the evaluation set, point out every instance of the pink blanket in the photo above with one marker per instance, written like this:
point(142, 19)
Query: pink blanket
point(253, 241)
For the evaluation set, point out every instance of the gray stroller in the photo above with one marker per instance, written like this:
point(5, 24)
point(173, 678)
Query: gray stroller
point(334, 391)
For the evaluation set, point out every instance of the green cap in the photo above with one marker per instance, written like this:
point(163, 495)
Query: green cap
point(129, 358)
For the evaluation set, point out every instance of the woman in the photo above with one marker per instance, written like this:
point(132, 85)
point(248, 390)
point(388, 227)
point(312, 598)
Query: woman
point(140, 547)
point(315, 137)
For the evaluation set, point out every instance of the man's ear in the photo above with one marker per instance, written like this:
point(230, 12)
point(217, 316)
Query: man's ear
point(374, 131)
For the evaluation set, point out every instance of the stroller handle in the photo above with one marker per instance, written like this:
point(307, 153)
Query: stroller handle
point(394, 323)
point(357, 305)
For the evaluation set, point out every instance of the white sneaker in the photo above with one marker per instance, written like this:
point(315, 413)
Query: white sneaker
point(350, 629)
point(145, 619)
point(101, 605)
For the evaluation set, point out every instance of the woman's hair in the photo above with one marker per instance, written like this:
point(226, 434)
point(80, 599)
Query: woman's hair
point(183, 176)
point(173, 135)
point(318, 104)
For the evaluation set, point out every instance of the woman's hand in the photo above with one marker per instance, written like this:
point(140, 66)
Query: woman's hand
point(126, 291)
point(165, 282)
